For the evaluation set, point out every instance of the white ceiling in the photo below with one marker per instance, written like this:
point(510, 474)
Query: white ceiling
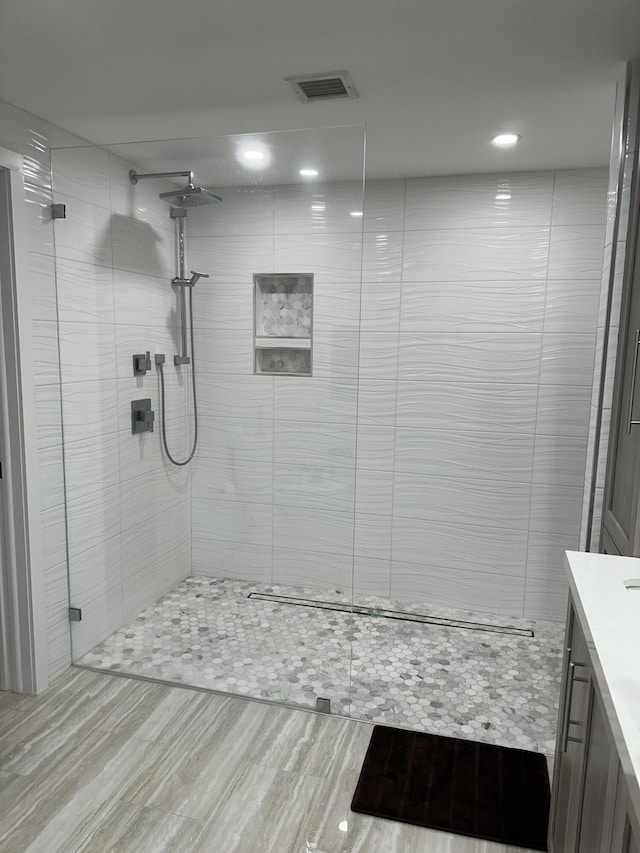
point(437, 78)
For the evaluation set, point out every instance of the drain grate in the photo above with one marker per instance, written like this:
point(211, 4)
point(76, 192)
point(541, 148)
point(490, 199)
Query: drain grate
point(400, 615)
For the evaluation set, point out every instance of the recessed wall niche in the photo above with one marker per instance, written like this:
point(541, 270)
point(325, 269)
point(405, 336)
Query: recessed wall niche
point(283, 323)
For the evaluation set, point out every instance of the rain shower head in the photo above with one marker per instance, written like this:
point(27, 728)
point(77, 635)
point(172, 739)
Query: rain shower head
point(190, 196)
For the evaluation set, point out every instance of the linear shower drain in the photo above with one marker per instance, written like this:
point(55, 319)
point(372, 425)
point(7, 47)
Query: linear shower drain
point(400, 615)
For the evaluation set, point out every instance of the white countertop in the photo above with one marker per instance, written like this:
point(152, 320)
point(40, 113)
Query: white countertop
point(609, 615)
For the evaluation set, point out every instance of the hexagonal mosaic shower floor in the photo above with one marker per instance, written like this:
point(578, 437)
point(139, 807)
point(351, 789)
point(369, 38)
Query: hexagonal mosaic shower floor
point(495, 687)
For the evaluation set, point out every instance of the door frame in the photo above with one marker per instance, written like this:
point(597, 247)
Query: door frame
point(23, 655)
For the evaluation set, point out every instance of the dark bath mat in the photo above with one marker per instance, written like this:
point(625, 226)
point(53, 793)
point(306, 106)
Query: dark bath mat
point(459, 786)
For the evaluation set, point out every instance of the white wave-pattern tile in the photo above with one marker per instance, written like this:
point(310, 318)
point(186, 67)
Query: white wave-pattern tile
point(475, 201)
point(555, 509)
point(232, 260)
point(380, 309)
point(458, 357)
point(87, 352)
point(331, 257)
point(132, 339)
point(546, 600)
point(580, 197)
point(500, 306)
point(85, 293)
point(373, 536)
point(235, 396)
point(312, 208)
point(545, 555)
point(374, 491)
point(85, 234)
point(96, 570)
point(239, 560)
point(495, 550)
point(93, 519)
point(51, 471)
point(335, 355)
point(140, 201)
point(227, 351)
point(223, 305)
point(143, 298)
point(378, 355)
point(142, 248)
point(458, 587)
point(310, 569)
point(384, 205)
point(559, 460)
point(371, 576)
point(314, 530)
point(300, 443)
point(144, 547)
point(82, 173)
point(313, 487)
point(563, 410)
point(102, 616)
point(477, 455)
point(336, 307)
point(382, 256)
point(233, 480)
point(140, 589)
point(242, 439)
point(152, 493)
point(572, 307)
point(54, 537)
point(476, 254)
point(143, 453)
point(576, 252)
point(232, 521)
point(317, 400)
point(42, 290)
point(377, 401)
point(90, 464)
point(39, 225)
point(376, 446)
point(244, 210)
point(487, 503)
point(567, 359)
point(100, 399)
point(44, 352)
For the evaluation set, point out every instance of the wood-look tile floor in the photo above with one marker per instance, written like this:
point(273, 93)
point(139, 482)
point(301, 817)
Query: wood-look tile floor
point(102, 763)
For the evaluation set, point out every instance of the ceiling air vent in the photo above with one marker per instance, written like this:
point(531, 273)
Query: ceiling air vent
point(323, 87)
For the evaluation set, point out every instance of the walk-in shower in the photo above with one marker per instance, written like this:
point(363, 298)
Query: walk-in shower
point(180, 199)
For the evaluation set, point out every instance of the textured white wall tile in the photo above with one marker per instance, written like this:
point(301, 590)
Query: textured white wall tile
point(218, 559)
point(311, 208)
point(307, 568)
point(476, 201)
point(54, 536)
point(235, 396)
point(317, 400)
point(380, 309)
point(563, 410)
point(567, 359)
point(545, 555)
point(85, 235)
point(336, 307)
point(244, 210)
point(546, 600)
point(371, 577)
point(478, 455)
point(222, 305)
point(97, 569)
point(152, 493)
point(51, 472)
point(509, 357)
point(85, 293)
point(472, 306)
point(576, 251)
point(47, 411)
point(231, 439)
point(87, 352)
point(82, 173)
point(331, 257)
point(559, 460)
point(468, 589)
point(143, 299)
point(376, 446)
point(477, 254)
point(143, 548)
point(555, 509)
point(100, 617)
point(384, 205)
point(231, 260)
point(233, 480)
point(480, 502)
point(44, 352)
point(313, 530)
point(140, 589)
point(572, 307)
point(91, 464)
point(373, 536)
point(378, 355)
point(139, 201)
point(335, 354)
point(374, 491)
point(377, 402)
point(495, 550)
point(226, 351)
point(382, 256)
point(465, 407)
point(92, 519)
point(314, 487)
point(142, 248)
point(42, 290)
point(580, 197)
point(300, 443)
point(232, 521)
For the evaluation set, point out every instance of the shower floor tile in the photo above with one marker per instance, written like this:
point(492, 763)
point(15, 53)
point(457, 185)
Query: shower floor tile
point(494, 687)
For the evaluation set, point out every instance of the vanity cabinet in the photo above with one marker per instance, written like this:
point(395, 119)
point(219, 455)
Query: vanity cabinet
point(590, 811)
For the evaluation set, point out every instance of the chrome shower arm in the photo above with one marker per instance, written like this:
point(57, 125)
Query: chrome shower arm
point(134, 176)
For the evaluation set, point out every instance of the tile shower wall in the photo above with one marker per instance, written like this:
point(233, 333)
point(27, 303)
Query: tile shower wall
point(454, 380)
point(128, 509)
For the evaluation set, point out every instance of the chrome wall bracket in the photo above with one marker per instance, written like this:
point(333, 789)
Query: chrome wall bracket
point(75, 614)
point(58, 211)
point(323, 706)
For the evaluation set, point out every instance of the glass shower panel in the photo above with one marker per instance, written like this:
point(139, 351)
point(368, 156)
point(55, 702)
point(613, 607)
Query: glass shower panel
point(233, 571)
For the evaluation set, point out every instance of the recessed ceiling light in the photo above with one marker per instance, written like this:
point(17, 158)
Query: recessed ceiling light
point(504, 140)
point(252, 154)
point(309, 173)
point(357, 213)
point(503, 196)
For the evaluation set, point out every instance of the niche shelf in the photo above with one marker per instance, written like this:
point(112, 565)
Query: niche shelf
point(283, 323)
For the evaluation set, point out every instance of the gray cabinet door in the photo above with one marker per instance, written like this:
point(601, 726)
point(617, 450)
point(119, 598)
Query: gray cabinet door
point(625, 837)
point(622, 486)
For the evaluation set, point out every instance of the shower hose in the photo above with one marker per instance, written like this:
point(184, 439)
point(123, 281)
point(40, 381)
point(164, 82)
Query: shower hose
point(163, 425)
